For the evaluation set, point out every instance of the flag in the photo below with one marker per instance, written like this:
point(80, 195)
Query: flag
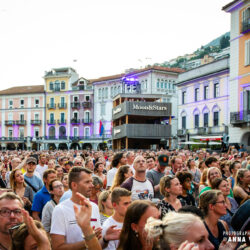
point(101, 128)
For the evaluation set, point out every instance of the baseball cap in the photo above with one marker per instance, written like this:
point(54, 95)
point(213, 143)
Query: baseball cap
point(163, 160)
point(69, 163)
point(31, 159)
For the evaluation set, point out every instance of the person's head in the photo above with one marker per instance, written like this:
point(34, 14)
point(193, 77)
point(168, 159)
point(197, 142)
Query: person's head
point(97, 185)
point(22, 239)
point(176, 164)
point(212, 173)
point(99, 167)
point(162, 162)
point(65, 181)
point(77, 161)
point(118, 160)
point(104, 201)
point(3, 172)
point(31, 165)
point(56, 188)
point(42, 159)
point(191, 163)
point(130, 157)
point(170, 185)
point(68, 165)
point(213, 202)
point(211, 162)
point(48, 175)
point(16, 177)
point(121, 175)
point(133, 235)
point(175, 228)
point(222, 185)
point(15, 162)
point(80, 180)
point(234, 167)
point(121, 199)
point(201, 155)
point(89, 163)
point(185, 179)
point(202, 166)
point(243, 177)
point(140, 165)
point(150, 161)
point(59, 171)
point(224, 167)
point(51, 164)
point(10, 211)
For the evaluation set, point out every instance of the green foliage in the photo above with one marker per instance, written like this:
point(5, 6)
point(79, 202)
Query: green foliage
point(224, 42)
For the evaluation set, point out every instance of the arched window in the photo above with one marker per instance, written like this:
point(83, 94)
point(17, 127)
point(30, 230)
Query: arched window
point(51, 86)
point(62, 84)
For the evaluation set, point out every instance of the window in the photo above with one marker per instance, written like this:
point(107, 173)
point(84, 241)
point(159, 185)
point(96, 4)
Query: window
point(216, 90)
point(166, 84)
point(158, 83)
point(248, 100)
point(51, 86)
point(10, 104)
point(87, 98)
point(51, 116)
point(62, 84)
point(36, 132)
point(52, 101)
point(205, 92)
point(87, 117)
point(216, 118)
point(196, 121)
point(102, 93)
point(10, 132)
point(22, 103)
point(75, 99)
point(106, 93)
point(99, 94)
point(21, 132)
point(21, 117)
point(103, 109)
point(112, 92)
point(162, 83)
point(196, 94)
point(36, 117)
point(205, 119)
point(184, 97)
point(245, 20)
point(62, 117)
point(37, 103)
point(146, 84)
point(57, 85)
point(75, 130)
point(247, 52)
point(86, 132)
point(183, 122)
point(75, 115)
point(62, 100)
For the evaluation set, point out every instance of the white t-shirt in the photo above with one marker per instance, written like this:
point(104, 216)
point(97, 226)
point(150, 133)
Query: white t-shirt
point(64, 221)
point(110, 176)
point(113, 244)
point(41, 170)
point(142, 190)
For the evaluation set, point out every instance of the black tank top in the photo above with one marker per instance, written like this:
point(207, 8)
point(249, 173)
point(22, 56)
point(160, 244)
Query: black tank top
point(239, 199)
point(216, 241)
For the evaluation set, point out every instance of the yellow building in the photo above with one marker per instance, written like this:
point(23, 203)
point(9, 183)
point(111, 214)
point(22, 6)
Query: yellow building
point(58, 85)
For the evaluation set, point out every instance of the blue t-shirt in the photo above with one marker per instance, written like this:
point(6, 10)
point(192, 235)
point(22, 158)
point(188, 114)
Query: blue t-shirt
point(35, 181)
point(40, 199)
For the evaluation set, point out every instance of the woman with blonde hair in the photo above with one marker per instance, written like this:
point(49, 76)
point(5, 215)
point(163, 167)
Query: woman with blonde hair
point(105, 205)
point(122, 174)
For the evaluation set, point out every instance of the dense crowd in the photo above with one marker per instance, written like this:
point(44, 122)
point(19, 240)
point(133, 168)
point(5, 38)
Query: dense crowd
point(84, 199)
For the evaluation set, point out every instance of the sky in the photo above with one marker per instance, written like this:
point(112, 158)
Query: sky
point(100, 37)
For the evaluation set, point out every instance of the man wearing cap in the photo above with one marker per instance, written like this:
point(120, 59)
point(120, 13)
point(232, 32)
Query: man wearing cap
point(30, 177)
point(67, 166)
point(155, 174)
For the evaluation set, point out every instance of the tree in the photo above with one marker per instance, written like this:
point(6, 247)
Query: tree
point(224, 42)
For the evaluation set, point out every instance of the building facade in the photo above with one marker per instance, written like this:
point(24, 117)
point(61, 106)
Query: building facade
point(203, 101)
point(239, 101)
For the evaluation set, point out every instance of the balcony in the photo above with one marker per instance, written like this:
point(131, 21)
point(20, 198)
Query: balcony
point(9, 122)
point(51, 122)
point(35, 122)
point(21, 122)
point(50, 137)
point(75, 105)
point(63, 137)
point(87, 105)
point(245, 26)
point(87, 121)
point(238, 119)
point(182, 132)
point(62, 121)
point(56, 89)
point(11, 138)
point(75, 121)
point(215, 130)
point(51, 106)
point(62, 105)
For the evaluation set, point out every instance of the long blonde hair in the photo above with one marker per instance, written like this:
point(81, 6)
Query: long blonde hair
point(12, 179)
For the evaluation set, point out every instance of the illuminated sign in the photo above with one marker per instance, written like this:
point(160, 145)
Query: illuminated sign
point(149, 107)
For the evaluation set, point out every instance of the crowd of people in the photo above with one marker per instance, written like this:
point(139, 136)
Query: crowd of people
point(138, 199)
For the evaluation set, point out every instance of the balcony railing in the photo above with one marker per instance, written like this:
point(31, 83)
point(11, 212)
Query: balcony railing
point(63, 137)
point(51, 105)
point(245, 26)
point(87, 121)
point(51, 122)
point(35, 122)
point(62, 105)
point(182, 132)
point(75, 121)
point(11, 138)
point(62, 121)
point(87, 104)
point(20, 122)
point(238, 118)
point(9, 122)
point(75, 105)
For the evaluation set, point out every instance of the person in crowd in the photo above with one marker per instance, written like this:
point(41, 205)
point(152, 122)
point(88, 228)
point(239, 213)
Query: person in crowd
point(65, 182)
point(41, 167)
point(56, 191)
point(176, 165)
point(212, 203)
point(203, 181)
point(10, 215)
point(67, 166)
point(20, 188)
point(191, 209)
point(202, 166)
point(150, 160)
point(16, 162)
point(130, 158)
point(233, 168)
point(59, 172)
point(121, 199)
point(212, 162)
point(241, 189)
point(200, 158)
point(122, 174)
point(51, 164)
point(78, 161)
point(98, 171)
point(155, 174)
point(196, 175)
point(105, 205)
point(232, 206)
point(139, 185)
point(185, 179)
point(133, 235)
point(89, 163)
point(170, 188)
point(3, 180)
point(96, 190)
point(119, 159)
point(176, 230)
point(224, 167)
point(42, 196)
point(30, 178)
